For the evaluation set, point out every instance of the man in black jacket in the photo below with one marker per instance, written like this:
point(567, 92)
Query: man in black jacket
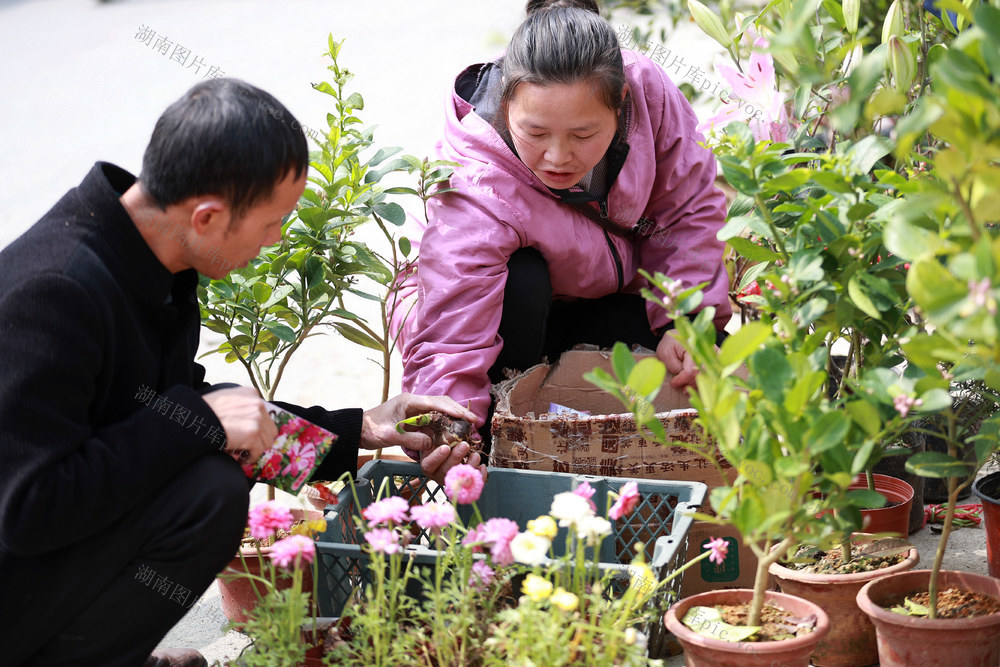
point(121, 493)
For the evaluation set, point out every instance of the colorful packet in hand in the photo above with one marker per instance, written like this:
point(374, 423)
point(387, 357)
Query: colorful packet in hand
point(296, 453)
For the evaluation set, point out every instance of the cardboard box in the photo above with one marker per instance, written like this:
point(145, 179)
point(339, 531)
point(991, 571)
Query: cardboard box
point(608, 444)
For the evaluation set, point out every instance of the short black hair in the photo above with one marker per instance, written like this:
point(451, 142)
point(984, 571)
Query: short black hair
point(223, 137)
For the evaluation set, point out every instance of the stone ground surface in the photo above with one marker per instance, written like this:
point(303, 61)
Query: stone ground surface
point(79, 87)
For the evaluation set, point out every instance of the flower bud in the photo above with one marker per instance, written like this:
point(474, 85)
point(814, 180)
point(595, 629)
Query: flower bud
point(893, 22)
point(709, 23)
point(902, 64)
point(851, 10)
point(852, 59)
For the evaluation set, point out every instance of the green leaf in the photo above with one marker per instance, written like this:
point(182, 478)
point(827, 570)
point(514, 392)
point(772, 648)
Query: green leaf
point(621, 361)
point(355, 335)
point(647, 376)
point(866, 499)
point(866, 152)
point(829, 431)
point(937, 465)
point(860, 298)
point(261, 292)
point(752, 251)
point(707, 621)
point(743, 343)
point(392, 212)
point(355, 101)
point(282, 331)
point(404, 246)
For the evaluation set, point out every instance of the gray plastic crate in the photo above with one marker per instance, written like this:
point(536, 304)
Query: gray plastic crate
point(519, 495)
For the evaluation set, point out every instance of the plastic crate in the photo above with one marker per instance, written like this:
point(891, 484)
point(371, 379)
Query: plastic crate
point(519, 495)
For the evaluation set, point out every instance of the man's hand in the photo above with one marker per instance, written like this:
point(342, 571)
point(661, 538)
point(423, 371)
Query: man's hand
point(250, 431)
point(378, 429)
point(677, 360)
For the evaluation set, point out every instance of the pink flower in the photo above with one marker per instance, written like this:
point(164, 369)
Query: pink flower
point(294, 550)
point(463, 484)
point(719, 548)
point(301, 456)
point(586, 491)
point(482, 575)
point(268, 517)
point(497, 534)
point(474, 539)
point(904, 403)
point(388, 510)
point(383, 540)
point(755, 98)
point(433, 516)
point(628, 498)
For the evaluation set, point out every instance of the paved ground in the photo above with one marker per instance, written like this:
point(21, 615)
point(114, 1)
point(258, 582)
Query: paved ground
point(78, 86)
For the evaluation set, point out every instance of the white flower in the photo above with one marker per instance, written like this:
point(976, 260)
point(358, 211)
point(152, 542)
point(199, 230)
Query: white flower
point(593, 528)
point(570, 508)
point(529, 549)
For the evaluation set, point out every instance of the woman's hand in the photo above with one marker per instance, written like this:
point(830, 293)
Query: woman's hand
point(677, 360)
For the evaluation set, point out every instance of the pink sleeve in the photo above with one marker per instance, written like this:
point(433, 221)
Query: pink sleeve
point(453, 341)
point(687, 211)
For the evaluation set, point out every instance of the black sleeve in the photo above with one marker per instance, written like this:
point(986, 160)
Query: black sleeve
point(346, 424)
point(55, 462)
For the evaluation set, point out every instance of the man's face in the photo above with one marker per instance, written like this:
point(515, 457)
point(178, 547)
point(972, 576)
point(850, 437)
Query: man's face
point(239, 241)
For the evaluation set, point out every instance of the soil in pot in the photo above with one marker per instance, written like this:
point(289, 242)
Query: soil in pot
point(776, 623)
point(951, 603)
point(987, 489)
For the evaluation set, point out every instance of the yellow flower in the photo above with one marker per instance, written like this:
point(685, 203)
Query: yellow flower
point(543, 526)
point(537, 588)
point(565, 600)
point(641, 577)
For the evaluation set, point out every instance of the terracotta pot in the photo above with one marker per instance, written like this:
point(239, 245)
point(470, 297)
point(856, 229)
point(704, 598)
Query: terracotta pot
point(241, 594)
point(987, 489)
point(904, 641)
point(314, 654)
point(851, 641)
point(702, 651)
point(895, 519)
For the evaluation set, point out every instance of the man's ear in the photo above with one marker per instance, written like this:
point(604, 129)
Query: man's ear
point(208, 214)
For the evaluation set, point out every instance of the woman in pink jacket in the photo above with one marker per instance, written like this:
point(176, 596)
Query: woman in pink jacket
point(580, 165)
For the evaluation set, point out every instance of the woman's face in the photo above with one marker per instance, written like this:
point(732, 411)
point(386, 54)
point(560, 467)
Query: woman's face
point(561, 131)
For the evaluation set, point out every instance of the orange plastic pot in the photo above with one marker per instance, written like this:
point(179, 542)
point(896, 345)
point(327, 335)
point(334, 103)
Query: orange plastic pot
point(894, 519)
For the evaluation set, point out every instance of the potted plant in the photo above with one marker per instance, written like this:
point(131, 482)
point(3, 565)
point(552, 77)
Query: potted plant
point(809, 213)
point(282, 626)
point(944, 228)
point(295, 289)
point(795, 450)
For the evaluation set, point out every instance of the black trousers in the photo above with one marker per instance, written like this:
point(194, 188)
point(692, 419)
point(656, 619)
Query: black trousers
point(110, 600)
point(534, 325)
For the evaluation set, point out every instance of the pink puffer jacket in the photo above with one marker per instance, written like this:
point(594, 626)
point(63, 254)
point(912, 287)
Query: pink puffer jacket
point(452, 304)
